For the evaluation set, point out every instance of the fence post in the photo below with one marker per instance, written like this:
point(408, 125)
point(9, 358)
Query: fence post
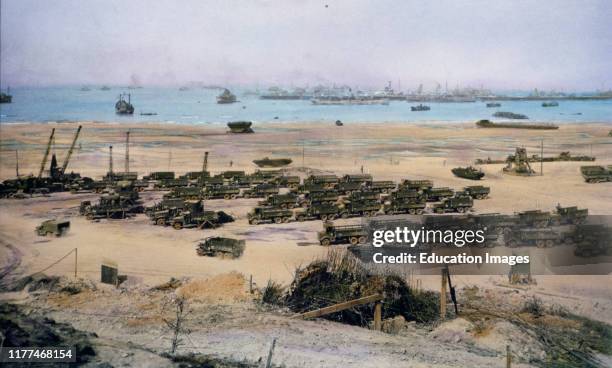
point(378, 316)
point(269, 362)
point(508, 357)
point(76, 254)
point(443, 295)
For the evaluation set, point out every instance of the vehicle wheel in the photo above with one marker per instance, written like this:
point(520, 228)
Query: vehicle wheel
point(325, 242)
point(254, 222)
point(301, 218)
point(177, 225)
point(550, 243)
point(331, 217)
point(411, 211)
point(362, 240)
point(283, 206)
point(226, 196)
point(278, 220)
point(89, 216)
point(286, 219)
point(233, 196)
point(344, 215)
point(160, 222)
point(354, 240)
point(324, 217)
point(540, 244)
point(419, 211)
point(511, 243)
point(460, 209)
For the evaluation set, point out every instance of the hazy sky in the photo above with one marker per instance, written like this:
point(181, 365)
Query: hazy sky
point(547, 44)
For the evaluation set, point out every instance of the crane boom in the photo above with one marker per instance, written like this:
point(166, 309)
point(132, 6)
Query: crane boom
point(67, 159)
point(44, 160)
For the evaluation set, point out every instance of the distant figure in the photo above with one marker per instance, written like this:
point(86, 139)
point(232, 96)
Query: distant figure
point(362, 169)
point(231, 163)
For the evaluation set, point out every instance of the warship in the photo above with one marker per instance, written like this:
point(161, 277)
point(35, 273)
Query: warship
point(468, 173)
point(240, 127)
point(124, 107)
point(550, 104)
point(6, 97)
point(489, 124)
point(272, 162)
point(420, 107)
point(105, 88)
point(226, 97)
point(509, 115)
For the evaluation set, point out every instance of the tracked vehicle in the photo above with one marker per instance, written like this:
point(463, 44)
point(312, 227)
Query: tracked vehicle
point(468, 173)
point(596, 174)
point(53, 227)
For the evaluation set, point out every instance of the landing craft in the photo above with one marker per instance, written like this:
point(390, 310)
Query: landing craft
point(124, 107)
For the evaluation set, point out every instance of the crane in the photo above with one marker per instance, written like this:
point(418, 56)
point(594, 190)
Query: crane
point(67, 159)
point(44, 161)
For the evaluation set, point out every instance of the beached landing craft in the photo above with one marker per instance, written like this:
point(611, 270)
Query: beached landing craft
point(240, 126)
point(226, 97)
point(6, 97)
point(124, 107)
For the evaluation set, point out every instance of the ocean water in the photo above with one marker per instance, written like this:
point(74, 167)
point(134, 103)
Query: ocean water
point(198, 106)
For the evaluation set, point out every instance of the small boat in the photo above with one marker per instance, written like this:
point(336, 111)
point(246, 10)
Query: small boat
point(468, 173)
point(148, 113)
point(124, 107)
point(105, 88)
point(240, 126)
point(550, 104)
point(85, 89)
point(493, 104)
point(226, 97)
point(270, 162)
point(420, 107)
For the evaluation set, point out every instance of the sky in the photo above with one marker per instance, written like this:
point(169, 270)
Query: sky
point(547, 44)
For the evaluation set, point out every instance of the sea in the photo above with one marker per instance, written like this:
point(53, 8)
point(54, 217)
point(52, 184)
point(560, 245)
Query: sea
point(198, 106)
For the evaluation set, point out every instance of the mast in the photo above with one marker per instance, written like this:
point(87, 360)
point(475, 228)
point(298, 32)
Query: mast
point(44, 160)
point(127, 152)
point(67, 159)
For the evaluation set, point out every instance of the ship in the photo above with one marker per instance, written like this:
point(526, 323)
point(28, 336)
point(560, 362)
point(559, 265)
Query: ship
point(240, 127)
point(6, 97)
point(550, 104)
point(124, 107)
point(348, 100)
point(468, 173)
point(226, 97)
point(493, 104)
point(85, 89)
point(420, 107)
point(509, 115)
point(105, 88)
point(272, 162)
point(490, 124)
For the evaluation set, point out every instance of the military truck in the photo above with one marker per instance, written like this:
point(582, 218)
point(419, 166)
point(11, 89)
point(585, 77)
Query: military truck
point(542, 238)
point(364, 196)
point(454, 204)
point(170, 183)
point(260, 191)
point(110, 206)
point(194, 215)
point(418, 185)
point(592, 240)
point(437, 194)
point(224, 191)
point(185, 193)
point(310, 188)
point(360, 208)
point(163, 212)
point(291, 182)
point(269, 214)
point(231, 175)
point(321, 211)
point(596, 174)
point(383, 186)
point(348, 187)
point(288, 200)
point(477, 191)
point(327, 181)
point(332, 234)
point(218, 246)
point(211, 181)
point(159, 175)
point(569, 215)
point(404, 206)
point(406, 194)
point(357, 178)
point(53, 227)
point(534, 218)
point(495, 222)
point(326, 197)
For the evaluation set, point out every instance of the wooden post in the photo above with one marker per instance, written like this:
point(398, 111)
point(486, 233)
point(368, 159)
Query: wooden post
point(269, 361)
point(378, 316)
point(508, 357)
point(251, 284)
point(443, 295)
point(76, 255)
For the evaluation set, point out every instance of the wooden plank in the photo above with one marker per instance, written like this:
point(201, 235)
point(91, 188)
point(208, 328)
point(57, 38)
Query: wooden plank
point(378, 316)
point(341, 306)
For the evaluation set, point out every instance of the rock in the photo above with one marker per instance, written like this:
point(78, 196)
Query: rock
point(394, 325)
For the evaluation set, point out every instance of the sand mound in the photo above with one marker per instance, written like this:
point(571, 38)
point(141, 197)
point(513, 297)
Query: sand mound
point(225, 288)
